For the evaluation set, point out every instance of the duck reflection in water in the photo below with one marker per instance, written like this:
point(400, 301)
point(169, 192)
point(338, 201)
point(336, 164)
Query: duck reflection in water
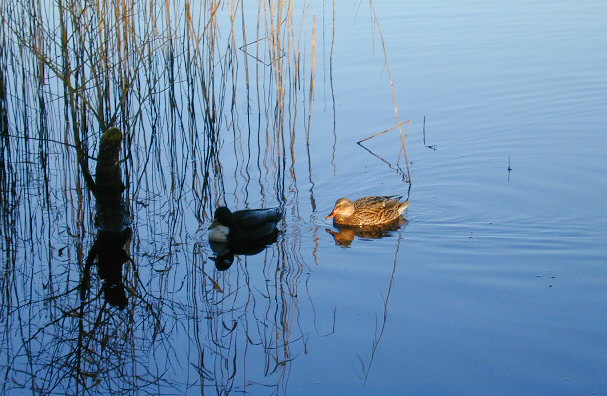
point(244, 232)
point(226, 251)
point(345, 234)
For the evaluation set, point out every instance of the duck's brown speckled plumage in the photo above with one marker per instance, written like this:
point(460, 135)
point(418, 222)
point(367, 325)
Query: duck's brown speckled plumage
point(366, 211)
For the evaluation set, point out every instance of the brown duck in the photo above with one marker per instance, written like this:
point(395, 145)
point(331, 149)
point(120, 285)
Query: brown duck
point(368, 211)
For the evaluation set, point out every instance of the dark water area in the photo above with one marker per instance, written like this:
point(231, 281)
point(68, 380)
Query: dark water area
point(496, 283)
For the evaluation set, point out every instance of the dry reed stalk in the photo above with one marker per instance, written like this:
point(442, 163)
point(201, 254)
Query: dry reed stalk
point(403, 136)
point(311, 93)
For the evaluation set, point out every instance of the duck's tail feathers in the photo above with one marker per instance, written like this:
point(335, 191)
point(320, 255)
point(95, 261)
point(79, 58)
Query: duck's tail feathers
point(277, 214)
point(402, 207)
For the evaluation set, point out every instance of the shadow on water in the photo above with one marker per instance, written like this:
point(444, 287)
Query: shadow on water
point(173, 78)
point(108, 249)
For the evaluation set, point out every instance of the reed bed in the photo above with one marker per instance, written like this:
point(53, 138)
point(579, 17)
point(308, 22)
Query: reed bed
point(189, 84)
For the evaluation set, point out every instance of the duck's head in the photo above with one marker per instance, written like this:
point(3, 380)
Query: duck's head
point(343, 207)
point(220, 227)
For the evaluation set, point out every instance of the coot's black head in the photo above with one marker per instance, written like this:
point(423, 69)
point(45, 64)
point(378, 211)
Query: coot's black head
point(223, 216)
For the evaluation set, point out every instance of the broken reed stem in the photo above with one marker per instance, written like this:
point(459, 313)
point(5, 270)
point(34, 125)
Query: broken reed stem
point(384, 131)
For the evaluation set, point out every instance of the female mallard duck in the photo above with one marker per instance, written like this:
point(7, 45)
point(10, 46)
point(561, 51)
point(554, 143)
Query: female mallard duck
point(368, 211)
point(243, 226)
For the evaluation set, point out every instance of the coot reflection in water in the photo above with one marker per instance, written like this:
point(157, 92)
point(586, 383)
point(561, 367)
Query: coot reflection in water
point(226, 251)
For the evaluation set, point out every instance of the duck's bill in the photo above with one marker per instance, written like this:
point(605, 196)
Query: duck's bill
point(330, 215)
point(214, 224)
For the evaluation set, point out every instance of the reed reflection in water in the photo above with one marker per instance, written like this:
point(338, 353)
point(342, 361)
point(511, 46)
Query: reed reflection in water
point(212, 100)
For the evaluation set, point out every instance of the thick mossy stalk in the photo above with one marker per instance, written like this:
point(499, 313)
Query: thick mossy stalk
point(112, 220)
point(108, 166)
point(111, 211)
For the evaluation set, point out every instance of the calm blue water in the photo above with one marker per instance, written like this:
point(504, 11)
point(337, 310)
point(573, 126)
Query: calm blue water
point(500, 278)
point(497, 283)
